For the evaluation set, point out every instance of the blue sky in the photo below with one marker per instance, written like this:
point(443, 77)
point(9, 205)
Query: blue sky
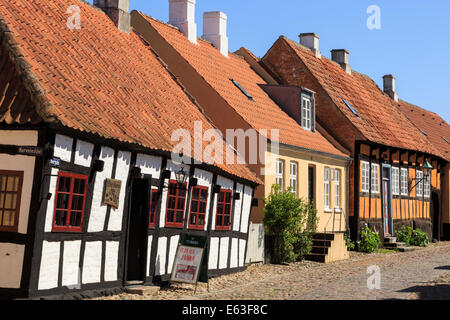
point(413, 43)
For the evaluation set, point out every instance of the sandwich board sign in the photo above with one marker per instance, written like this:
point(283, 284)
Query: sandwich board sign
point(190, 265)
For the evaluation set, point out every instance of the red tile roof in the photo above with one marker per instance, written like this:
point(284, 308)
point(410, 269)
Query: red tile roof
point(380, 120)
point(437, 130)
point(100, 80)
point(217, 70)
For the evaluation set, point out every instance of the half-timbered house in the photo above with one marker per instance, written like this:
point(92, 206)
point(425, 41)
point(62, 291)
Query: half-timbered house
point(391, 156)
point(91, 198)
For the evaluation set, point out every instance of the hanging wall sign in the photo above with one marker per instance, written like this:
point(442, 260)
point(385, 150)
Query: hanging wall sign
point(112, 193)
point(55, 162)
point(187, 264)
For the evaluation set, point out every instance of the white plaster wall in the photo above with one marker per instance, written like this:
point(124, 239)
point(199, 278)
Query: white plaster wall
point(242, 244)
point(173, 250)
point(223, 258)
point(122, 169)
point(98, 211)
point(19, 137)
point(25, 164)
point(234, 253)
point(111, 260)
point(213, 253)
point(149, 255)
point(173, 168)
point(205, 180)
point(48, 273)
point(92, 262)
point(238, 208)
point(11, 262)
point(248, 192)
point(71, 263)
point(160, 268)
point(51, 202)
point(83, 153)
point(63, 147)
point(149, 165)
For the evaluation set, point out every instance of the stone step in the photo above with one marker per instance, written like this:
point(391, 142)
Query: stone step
point(321, 243)
point(319, 249)
point(144, 290)
point(317, 257)
point(395, 245)
point(390, 239)
point(323, 236)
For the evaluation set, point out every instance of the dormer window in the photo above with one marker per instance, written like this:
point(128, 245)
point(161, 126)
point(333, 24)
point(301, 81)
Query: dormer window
point(307, 112)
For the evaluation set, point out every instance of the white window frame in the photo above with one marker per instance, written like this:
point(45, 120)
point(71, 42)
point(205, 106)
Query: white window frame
point(427, 187)
point(337, 189)
point(365, 176)
point(307, 113)
point(395, 181)
point(375, 178)
point(293, 177)
point(279, 177)
point(404, 178)
point(419, 186)
point(327, 189)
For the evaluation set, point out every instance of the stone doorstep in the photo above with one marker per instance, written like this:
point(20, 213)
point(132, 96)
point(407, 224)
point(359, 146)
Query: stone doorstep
point(390, 239)
point(144, 290)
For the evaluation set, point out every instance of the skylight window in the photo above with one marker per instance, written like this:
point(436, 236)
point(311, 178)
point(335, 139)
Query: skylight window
point(351, 108)
point(238, 85)
point(445, 140)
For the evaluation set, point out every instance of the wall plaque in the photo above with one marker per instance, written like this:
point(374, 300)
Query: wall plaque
point(112, 193)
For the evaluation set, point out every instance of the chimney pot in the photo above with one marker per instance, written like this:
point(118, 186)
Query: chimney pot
point(311, 41)
point(389, 86)
point(341, 56)
point(118, 11)
point(182, 15)
point(215, 30)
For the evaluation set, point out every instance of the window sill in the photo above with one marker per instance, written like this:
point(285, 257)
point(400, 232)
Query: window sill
point(328, 210)
point(338, 210)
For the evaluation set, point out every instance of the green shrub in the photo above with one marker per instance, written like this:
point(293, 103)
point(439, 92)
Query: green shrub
point(370, 240)
point(404, 235)
point(420, 238)
point(350, 244)
point(291, 222)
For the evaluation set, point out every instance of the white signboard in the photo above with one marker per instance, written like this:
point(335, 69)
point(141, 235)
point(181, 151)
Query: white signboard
point(187, 264)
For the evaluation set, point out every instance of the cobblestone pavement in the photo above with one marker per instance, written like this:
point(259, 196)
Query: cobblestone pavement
point(403, 276)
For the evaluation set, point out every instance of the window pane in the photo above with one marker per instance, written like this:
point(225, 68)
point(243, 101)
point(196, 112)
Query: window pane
point(60, 218)
point(220, 208)
point(171, 203)
point(180, 204)
point(170, 215)
point(179, 216)
point(2, 183)
point(8, 218)
point(10, 201)
point(194, 206)
point(202, 208)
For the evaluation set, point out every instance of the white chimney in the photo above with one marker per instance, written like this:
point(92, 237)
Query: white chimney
point(215, 30)
point(311, 41)
point(389, 86)
point(118, 11)
point(341, 56)
point(182, 15)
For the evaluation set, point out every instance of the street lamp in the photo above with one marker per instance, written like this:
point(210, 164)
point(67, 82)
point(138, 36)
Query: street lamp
point(427, 168)
point(181, 176)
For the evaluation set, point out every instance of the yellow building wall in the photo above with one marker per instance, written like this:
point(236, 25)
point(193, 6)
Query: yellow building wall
point(334, 220)
point(446, 194)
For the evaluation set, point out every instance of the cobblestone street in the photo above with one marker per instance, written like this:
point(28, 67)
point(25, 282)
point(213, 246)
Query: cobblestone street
point(403, 276)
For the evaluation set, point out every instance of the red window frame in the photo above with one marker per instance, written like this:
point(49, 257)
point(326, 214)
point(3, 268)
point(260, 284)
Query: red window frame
point(69, 211)
point(223, 213)
point(3, 195)
point(180, 195)
point(196, 204)
point(153, 202)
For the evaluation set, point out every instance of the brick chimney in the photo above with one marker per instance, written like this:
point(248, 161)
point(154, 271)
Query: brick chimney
point(311, 41)
point(215, 30)
point(182, 15)
point(118, 11)
point(389, 86)
point(341, 56)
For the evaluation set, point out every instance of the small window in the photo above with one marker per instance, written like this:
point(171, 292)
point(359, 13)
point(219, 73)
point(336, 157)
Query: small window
point(337, 188)
point(70, 200)
point(223, 212)
point(427, 186)
point(404, 181)
point(176, 200)
point(419, 186)
point(10, 194)
point(238, 85)
point(327, 179)
point(199, 200)
point(365, 176)
point(351, 108)
point(395, 181)
point(280, 173)
point(375, 178)
point(153, 202)
point(293, 177)
point(307, 113)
